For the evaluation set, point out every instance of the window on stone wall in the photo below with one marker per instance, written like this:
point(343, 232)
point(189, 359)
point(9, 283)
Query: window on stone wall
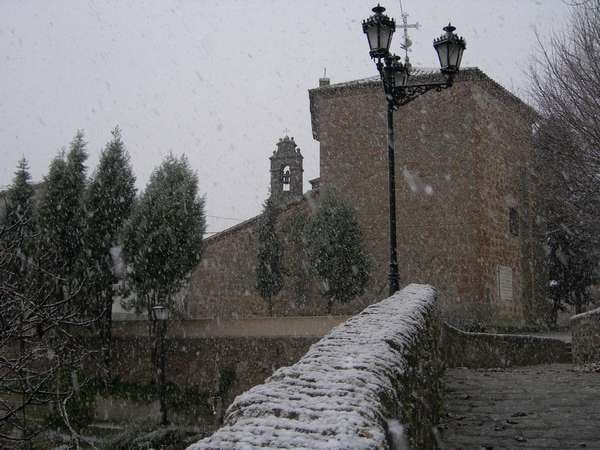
point(513, 221)
point(285, 178)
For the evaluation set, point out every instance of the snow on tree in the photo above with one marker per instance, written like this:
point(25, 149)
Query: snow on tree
point(108, 203)
point(20, 196)
point(163, 239)
point(335, 250)
point(61, 219)
point(42, 326)
point(18, 224)
point(269, 264)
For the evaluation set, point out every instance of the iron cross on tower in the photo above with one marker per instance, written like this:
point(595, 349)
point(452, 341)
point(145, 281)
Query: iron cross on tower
point(407, 43)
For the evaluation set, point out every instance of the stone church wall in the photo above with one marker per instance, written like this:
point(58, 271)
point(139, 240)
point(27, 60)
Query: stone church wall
point(460, 160)
point(505, 181)
point(223, 285)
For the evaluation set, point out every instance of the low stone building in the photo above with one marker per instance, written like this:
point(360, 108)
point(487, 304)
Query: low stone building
point(465, 203)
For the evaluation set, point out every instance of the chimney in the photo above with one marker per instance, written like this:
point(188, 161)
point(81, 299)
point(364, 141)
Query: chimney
point(324, 81)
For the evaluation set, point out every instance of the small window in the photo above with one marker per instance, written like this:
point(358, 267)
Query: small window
point(513, 221)
point(285, 178)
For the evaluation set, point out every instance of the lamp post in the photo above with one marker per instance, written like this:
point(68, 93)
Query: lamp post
point(161, 315)
point(395, 76)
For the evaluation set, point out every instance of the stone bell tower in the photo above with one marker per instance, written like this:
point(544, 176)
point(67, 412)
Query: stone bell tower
point(286, 172)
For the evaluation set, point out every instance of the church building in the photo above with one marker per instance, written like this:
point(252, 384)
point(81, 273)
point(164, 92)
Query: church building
point(465, 203)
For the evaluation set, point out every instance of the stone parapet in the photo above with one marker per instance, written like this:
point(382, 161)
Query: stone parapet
point(308, 326)
point(585, 331)
point(372, 382)
point(488, 350)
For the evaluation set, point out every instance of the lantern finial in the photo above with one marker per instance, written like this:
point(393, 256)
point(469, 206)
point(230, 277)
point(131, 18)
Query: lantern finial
point(378, 9)
point(449, 28)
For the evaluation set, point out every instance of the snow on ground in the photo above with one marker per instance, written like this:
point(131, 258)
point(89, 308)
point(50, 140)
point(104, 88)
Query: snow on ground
point(330, 399)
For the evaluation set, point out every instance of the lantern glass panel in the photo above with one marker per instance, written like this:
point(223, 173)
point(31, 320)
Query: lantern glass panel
point(460, 53)
point(160, 312)
point(442, 51)
point(386, 36)
point(400, 78)
point(454, 55)
point(373, 37)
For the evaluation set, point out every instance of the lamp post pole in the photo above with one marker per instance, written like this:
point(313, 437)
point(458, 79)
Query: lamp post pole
point(398, 91)
point(161, 315)
point(163, 403)
point(393, 274)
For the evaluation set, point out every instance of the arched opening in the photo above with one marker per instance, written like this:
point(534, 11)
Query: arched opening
point(285, 178)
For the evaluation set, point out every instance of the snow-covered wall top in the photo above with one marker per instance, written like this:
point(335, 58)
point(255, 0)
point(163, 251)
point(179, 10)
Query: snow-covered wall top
point(593, 312)
point(332, 397)
point(585, 334)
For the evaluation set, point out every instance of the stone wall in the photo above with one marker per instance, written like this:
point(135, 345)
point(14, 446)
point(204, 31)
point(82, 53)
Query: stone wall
point(313, 326)
point(204, 362)
point(224, 284)
point(585, 331)
point(462, 160)
point(485, 350)
point(370, 383)
point(216, 359)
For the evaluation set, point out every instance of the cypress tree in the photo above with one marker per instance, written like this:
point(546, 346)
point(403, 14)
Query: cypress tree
point(19, 226)
point(163, 240)
point(335, 250)
point(108, 203)
point(269, 267)
point(61, 221)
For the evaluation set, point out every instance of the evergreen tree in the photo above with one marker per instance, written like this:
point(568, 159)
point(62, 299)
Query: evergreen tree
point(42, 314)
point(61, 219)
point(163, 240)
point(269, 267)
point(19, 206)
point(335, 250)
point(108, 204)
point(19, 225)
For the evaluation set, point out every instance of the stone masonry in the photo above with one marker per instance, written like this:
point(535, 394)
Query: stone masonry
point(462, 158)
point(464, 201)
point(347, 392)
point(585, 329)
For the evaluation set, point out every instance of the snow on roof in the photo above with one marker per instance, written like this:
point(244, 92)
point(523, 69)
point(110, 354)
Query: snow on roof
point(331, 397)
point(416, 72)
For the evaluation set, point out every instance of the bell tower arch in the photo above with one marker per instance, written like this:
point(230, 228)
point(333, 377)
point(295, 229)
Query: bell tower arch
point(286, 172)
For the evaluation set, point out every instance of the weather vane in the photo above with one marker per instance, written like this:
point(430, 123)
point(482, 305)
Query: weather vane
point(407, 43)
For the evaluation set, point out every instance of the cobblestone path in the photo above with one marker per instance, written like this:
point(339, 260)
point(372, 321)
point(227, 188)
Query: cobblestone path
point(536, 407)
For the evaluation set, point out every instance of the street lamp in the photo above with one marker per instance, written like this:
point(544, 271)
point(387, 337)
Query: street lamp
point(398, 91)
point(161, 315)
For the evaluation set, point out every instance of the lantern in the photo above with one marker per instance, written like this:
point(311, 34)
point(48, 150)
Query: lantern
point(160, 312)
point(449, 48)
point(379, 29)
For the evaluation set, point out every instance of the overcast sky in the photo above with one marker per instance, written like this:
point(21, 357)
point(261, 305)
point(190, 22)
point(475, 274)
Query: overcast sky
point(220, 81)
